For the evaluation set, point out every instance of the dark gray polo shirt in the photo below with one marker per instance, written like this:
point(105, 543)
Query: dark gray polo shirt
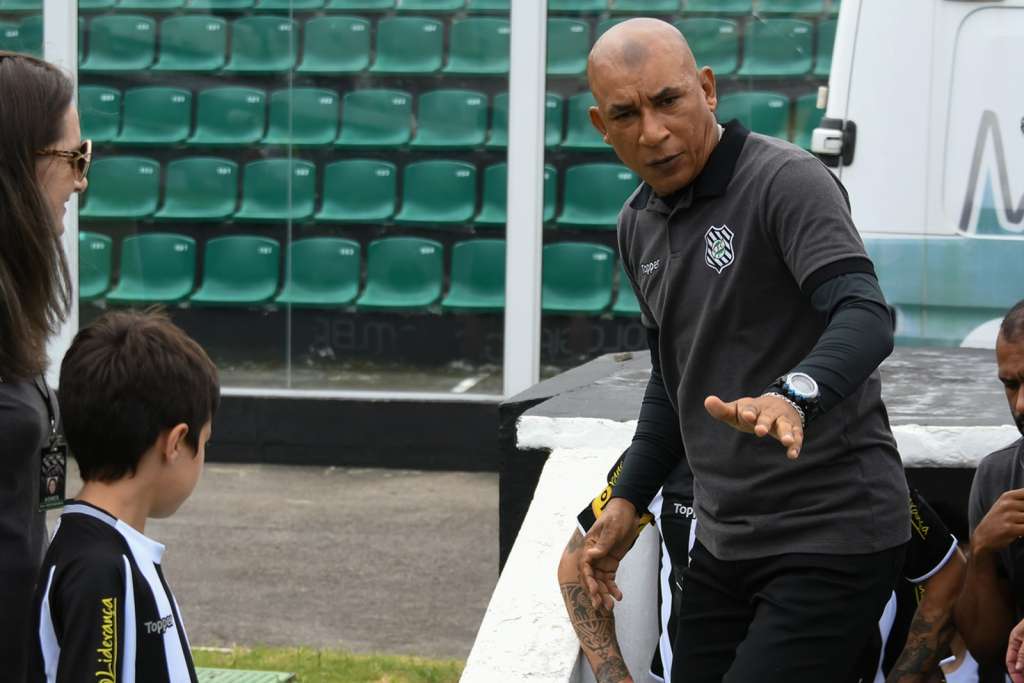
point(719, 274)
point(998, 473)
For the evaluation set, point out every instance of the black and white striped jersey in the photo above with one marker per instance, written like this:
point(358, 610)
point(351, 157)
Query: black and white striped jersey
point(103, 610)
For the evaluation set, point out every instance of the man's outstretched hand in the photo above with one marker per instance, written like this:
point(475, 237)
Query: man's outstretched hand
point(761, 416)
point(604, 546)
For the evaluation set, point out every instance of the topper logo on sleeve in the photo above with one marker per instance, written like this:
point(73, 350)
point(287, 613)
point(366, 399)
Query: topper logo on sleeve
point(650, 268)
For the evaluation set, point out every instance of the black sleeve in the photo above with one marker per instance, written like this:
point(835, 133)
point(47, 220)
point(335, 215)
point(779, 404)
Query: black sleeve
point(657, 444)
point(859, 330)
point(931, 543)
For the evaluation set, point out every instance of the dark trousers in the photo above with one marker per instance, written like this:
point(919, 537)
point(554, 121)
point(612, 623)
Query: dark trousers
point(786, 619)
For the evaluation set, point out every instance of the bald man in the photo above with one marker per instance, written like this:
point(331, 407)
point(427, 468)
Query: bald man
point(755, 287)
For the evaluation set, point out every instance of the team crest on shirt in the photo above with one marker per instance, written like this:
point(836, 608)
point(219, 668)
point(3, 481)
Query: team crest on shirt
point(718, 253)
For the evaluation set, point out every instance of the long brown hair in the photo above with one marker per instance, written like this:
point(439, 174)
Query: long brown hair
point(35, 284)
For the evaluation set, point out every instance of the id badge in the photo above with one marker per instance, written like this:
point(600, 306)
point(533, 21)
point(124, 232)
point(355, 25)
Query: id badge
point(53, 475)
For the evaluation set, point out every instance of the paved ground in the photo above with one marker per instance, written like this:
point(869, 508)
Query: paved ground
point(392, 561)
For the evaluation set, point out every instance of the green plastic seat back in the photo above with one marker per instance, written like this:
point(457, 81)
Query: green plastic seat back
point(826, 42)
point(719, 6)
point(376, 118)
point(791, 6)
point(625, 301)
point(489, 5)
point(288, 5)
point(122, 187)
point(592, 6)
point(95, 263)
point(303, 116)
point(240, 269)
point(30, 32)
point(479, 45)
point(715, 42)
point(155, 267)
point(278, 189)
point(834, 8)
point(336, 44)
point(580, 133)
point(230, 116)
point(322, 270)
point(200, 188)
point(95, 5)
point(409, 45)
point(568, 46)
point(451, 118)
point(100, 110)
point(222, 5)
point(577, 277)
point(10, 36)
point(430, 5)
point(495, 196)
point(21, 5)
point(438, 191)
point(645, 6)
point(403, 272)
point(120, 42)
point(761, 112)
point(550, 192)
point(156, 115)
point(806, 117)
point(263, 44)
point(363, 5)
point(192, 43)
point(477, 280)
point(777, 47)
point(151, 5)
point(359, 190)
point(595, 193)
point(554, 112)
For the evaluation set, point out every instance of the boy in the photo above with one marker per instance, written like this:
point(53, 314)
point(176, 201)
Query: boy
point(138, 397)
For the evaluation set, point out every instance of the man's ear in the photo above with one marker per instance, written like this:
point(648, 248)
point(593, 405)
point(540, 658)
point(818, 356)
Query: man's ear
point(174, 446)
point(710, 87)
point(597, 121)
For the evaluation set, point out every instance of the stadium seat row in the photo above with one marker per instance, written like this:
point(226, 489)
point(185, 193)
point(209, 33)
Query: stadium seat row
point(446, 119)
point(402, 273)
point(409, 45)
point(353, 191)
point(589, 6)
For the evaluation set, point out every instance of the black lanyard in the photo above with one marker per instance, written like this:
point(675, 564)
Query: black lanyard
point(44, 391)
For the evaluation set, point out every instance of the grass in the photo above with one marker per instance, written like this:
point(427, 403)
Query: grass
point(331, 666)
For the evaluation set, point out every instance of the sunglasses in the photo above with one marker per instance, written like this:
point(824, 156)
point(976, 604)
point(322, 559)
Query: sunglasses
point(80, 159)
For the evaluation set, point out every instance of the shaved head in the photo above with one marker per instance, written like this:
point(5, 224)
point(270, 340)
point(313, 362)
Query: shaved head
point(631, 42)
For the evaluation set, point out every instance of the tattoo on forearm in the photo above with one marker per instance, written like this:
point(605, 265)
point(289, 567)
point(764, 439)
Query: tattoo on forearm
point(595, 627)
point(927, 640)
point(576, 542)
point(612, 671)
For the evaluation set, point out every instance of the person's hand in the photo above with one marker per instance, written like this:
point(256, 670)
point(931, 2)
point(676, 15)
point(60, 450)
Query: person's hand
point(761, 416)
point(1015, 654)
point(604, 547)
point(1003, 524)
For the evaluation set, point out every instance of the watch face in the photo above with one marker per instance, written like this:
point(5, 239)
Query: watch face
point(802, 384)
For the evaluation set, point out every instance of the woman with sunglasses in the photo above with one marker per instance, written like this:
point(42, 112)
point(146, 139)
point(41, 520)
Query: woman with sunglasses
point(43, 160)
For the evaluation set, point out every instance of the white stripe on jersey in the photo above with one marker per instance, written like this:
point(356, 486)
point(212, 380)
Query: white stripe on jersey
point(665, 577)
point(885, 627)
point(47, 635)
point(128, 653)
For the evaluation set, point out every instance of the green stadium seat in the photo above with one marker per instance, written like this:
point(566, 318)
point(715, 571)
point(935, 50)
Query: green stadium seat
point(489, 5)
point(100, 110)
point(605, 24)
point(321, 271)
point(196, 43)
point(451, 119)
point(494, 212)
point(262, 45)
point(408, 45)
point(288, 5)
point(122, 188)
point(715, 42)
point(95, 264)
point(438, 191)
point(10, 36)
point(30, 36)
point(719, 6)
point(554, 108)
point(358, 191)
point(568, 47)
point(334, 45)
point(594, 195)
point(302, 117)
point(625, 304)
point(21, 5)
point(402, 273)
point(791, 6)
point(361, 5)
point(430, 5)
point(834, 8)
point(777, 47)
point(156, 116)
point(761, 112)
point(221, 5)
point(550, 193)
point(477, 281)
point(239, 270)
point(230, 116)
point(278, 190)
point(578, 6)
point(151, 5)
point(155, 268)
point(95, 5)
point(120, 42)
point(806, 117)
point(645, 6)
point(479, 46)
point(826, 42)
point(580, 132)
point(200, 188)
point(375, 118)
point(577, 278)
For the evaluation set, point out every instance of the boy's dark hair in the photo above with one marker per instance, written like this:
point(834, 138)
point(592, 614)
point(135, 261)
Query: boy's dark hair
point(1012, 326)
point(127, 377)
